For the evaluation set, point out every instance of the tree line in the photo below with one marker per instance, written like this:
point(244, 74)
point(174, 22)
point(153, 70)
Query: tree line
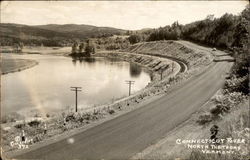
point(226, 32)
point(83, 49)
point(230, 32)
point(112, 43)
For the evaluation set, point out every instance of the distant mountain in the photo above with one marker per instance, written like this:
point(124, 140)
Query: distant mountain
point(83, 30)
point(51, 34)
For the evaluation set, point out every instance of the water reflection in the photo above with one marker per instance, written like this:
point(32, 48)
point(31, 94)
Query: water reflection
point(134, 70)
point(151, 76)
point(83, 59)
point(46, 86)
point(74, 62)
point(88, 59)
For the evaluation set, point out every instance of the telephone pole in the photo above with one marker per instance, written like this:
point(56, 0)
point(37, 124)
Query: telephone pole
point(161, 72)
point(129, 86)
point(76, 89)
point(172, 66)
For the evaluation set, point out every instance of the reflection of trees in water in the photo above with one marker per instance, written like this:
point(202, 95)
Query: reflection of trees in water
point(151, 76)
point(89, 59)
point(134, 70)
point(74, 61)
point(85, 59)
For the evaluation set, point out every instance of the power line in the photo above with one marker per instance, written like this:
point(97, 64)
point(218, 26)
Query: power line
point(76, 89)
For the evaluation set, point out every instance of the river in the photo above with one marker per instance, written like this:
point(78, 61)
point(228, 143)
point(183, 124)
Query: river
point(46, 87)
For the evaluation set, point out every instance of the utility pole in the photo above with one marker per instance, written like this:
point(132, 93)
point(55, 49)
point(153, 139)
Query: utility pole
point(161, 72)
point(129, 86)
point(76, 89)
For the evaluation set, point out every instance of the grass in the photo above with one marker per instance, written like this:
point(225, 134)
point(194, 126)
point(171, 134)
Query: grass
point(11, 117)
point(16, 65)
point(234, 125)
point(171, 48)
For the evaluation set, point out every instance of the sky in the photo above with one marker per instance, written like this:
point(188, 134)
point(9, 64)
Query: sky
point(131, 15)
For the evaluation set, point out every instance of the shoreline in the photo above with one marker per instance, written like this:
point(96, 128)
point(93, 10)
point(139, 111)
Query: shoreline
point(109, 106)
point(28, 64)
point(152, 92)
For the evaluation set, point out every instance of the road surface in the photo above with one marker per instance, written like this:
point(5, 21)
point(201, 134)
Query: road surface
point(130, 133)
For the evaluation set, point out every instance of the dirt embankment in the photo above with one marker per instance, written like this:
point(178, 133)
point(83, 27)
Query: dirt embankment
point(157, 66)
point(171, 49)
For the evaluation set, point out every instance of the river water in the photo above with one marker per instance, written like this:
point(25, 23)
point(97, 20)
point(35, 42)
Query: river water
point(46, 87)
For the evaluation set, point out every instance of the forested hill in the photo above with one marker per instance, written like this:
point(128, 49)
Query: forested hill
point(52, 34)
point(227, 31)
point(83, 30)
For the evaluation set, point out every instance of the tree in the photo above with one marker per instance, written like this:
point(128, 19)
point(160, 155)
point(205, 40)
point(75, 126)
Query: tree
point(18, 47)
point(81, 47)
point(210, 17)
point(74, 48)
point(90, 48)
point(135, 38)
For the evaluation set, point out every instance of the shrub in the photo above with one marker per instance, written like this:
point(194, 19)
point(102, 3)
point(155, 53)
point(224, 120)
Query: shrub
point(87, 116)
point(111, 111)
point(37, 115)
point(70, 117)
point(47, 115)
point(34, 123)
point(20, 125)
point(219, 110)
point(204, 118)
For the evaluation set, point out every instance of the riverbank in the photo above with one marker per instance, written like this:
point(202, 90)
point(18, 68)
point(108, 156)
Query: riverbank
point(38, 50)
point(84, 117)
point(9, 65)
point(97, 115)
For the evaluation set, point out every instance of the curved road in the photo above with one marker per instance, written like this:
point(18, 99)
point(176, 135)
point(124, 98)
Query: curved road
point(130, 133)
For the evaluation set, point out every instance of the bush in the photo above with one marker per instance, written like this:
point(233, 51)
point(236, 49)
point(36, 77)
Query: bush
point(34, 123)
point(47, 115)
point(87, 116)
point(219, 110)
point(20, 125)
point(111, 111)
point(70, 118)
point(239, 84)
point(204, 118)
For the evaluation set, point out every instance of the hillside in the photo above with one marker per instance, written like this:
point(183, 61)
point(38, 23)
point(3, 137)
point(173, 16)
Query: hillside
point(192, 58)
point(50, 35)
point(83, 30)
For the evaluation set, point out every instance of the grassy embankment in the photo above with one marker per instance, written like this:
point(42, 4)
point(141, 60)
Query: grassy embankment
point(39, 50)
point(16, 65)
point(87, 118)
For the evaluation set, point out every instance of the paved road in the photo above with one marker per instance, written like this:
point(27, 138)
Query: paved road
point(130, 133)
